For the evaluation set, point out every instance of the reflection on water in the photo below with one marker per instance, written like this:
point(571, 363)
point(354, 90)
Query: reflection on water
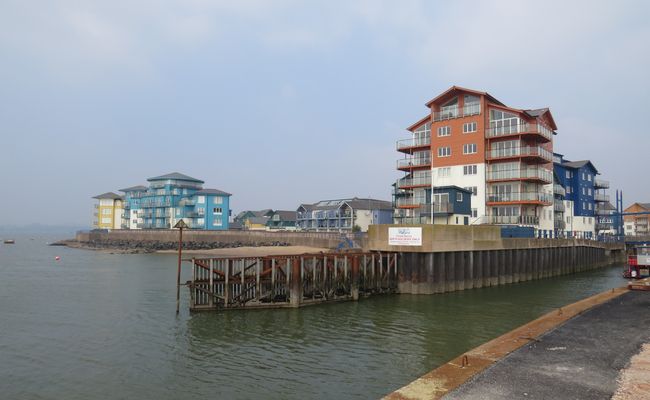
point(103, 326)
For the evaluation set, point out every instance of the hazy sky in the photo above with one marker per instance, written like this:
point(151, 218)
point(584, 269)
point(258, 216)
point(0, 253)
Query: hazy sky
point(283, 102)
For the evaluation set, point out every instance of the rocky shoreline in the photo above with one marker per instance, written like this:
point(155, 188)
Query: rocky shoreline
point(143, 247)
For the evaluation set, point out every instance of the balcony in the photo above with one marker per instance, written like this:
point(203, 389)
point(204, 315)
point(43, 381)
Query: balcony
point(513, 219)
point(534, 174)
point(520, 198)
point(559, 190)
point(406, 183)
point(601, 198)
point(457, 112)
point(559, 224)
point(413, 162)
point(559, 207)
point(603, 211)
point(533, 153)
point(413, 143)
point(601, 184)
point(540, 131)
point(603, 227)
point(408, 202)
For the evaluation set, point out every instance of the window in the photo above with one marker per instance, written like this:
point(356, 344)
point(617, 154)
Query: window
point(469, 170)
point(589, 191)
point(444, 172)
point(106, 211)
point(444, 151)
point(459, 197)
point(474, 213)
point(217, 200)
point(590, 206)
point(200, 199)
point(568, 189)
point(568, 220)
point(589, 177)
point(217, 221)
point(472, 189)
point(444, 131)
point(469, 148)
point(217, 210)
point(584, 191)
point(106, 221)
point(469, 127)
point(200, 221)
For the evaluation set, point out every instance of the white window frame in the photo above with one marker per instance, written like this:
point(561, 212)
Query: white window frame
point(470, 169)
point(444, 151)
point(469, 148)
point(444, 131)
point(470, 127)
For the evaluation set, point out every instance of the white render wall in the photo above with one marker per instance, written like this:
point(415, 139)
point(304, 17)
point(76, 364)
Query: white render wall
point(456, 178)
point(363, 219)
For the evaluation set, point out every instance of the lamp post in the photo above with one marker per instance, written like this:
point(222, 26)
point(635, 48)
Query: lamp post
point(180, 225)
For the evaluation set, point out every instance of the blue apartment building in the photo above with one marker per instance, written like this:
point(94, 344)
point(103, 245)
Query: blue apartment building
point(174, 197)
point(580, 205)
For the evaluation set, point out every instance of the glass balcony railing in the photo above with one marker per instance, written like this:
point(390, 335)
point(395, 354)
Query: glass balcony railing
point(523, 174)
point(600, 197)
point(409, 202)
point(413, 142)
point(519, 197)
point(559, 190)
point(410, 182)
point(523, 151)
point(413, 162)
point(519, 130)
point(559, 207)
point(450, 112)
point(601, 184)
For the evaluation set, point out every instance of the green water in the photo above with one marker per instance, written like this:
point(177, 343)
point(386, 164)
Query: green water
point(103, 326)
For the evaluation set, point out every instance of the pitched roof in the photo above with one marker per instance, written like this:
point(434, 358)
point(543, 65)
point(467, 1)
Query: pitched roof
point(370, 204)
point(108, 195)
point(579, 164)
point(644, 205)
point(213, 191)
point(610, 206)
point(175, 176)
point(541, 111)
point(285, 215)
point(138, 188)
point(257, 220)
point(453, 88)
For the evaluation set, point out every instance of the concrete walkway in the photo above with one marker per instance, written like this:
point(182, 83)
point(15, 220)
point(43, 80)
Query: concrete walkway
point(580, 359)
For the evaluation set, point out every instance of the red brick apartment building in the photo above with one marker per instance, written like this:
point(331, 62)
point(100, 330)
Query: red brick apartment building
point(469, 139)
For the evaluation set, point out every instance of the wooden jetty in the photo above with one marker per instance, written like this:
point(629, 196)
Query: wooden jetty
point(289, 280)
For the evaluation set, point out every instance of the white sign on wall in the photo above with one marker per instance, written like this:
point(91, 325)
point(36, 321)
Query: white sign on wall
point(405, 236)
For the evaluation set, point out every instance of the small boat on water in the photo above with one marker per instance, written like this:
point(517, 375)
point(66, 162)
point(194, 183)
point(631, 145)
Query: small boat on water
point(9, 241)
point(638, 263)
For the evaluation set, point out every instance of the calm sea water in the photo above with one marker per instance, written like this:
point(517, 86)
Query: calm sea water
point(103, 326)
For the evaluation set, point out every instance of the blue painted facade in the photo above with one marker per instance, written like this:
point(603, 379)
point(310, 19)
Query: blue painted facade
point(172, 197)
point(578, 180)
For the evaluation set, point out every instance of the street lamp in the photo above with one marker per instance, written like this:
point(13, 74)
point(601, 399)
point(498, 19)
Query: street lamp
point(179, 225)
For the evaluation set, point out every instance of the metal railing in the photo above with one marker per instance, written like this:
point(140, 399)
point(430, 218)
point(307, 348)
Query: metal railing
point(560, 224)
point(513, 219)
point(413, 142)
point(559, 190)
point(521, 151)
point(413, 162)
point(523, 173)
point(518, 130)
point(409, 182)
point(519, 196)
point(559, 207)
point(451, 112)
point(603, 211)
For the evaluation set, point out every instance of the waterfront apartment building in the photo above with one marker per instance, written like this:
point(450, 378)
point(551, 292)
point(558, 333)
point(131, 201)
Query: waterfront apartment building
point(343, 215)
point(637, 225)
point(267, 219)
point(108, 211)
point(469, 139)
point(172, 197)
point(582, 207)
